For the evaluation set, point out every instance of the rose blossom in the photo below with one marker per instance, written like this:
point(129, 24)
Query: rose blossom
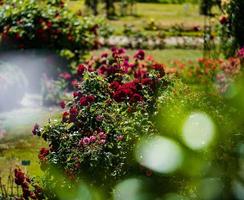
point(86, 141)
point(93, 138)
point(62, 104)
point(140, 55)
point(102, 135)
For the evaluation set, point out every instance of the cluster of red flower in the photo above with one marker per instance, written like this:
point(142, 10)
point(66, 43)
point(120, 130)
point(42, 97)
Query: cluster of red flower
point(22, 180)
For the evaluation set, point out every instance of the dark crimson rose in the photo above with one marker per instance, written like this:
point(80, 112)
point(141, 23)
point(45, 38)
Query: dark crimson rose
point(65, 117)
point(140, 55)
point(146, 81)
point(135, 98)
point(140, 74)
point(83, 101)
point(159, 68)
point(90, 98)
point(73, 111)
point(114, 85)
point(19, 176)
point(80, 70)
point(62, 104)
point(75, 94)
point(121, 51)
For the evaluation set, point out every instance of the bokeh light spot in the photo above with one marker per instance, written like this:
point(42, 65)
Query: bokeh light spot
point(128, 189)
point(198, 131)
point(159, 154)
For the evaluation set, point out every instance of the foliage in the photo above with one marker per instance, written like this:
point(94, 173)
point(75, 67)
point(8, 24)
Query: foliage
point(27, 24)
point(108, 4)
point(231, 27)
point(170, 1)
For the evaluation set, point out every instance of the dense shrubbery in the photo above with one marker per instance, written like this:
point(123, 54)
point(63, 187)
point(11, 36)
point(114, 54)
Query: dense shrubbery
point(27, 24)
point(210, 73)
point(111, 109)
point(232, 26)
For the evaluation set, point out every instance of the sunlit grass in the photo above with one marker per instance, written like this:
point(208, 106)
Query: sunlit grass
point(167, 56)
point(164, 14)
point(21, 149)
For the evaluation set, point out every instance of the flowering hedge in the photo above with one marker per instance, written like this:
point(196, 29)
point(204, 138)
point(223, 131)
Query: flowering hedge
point(111, 108)
point(210, 73)
point(26, 24)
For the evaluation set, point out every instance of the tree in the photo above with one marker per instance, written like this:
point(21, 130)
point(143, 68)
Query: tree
point(110, 8)
point(93, 4)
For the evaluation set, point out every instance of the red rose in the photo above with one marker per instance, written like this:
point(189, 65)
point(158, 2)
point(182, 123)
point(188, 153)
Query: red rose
point(80, 70)
point(140, 55)
point(75, 94)
point(73, 113)
point(62, 104)
point(135, 98)
point(43, 153)
point(90, 98)
point(83, 101)
point(65, 117)
point(114, 85)
point(146, 81)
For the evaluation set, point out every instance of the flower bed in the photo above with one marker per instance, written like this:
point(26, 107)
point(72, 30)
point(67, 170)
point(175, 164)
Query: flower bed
point(210, 73)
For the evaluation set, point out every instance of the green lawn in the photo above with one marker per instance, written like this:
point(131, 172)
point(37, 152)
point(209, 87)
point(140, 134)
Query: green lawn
point(165, 14)
point(26, 148)
point(167, 56)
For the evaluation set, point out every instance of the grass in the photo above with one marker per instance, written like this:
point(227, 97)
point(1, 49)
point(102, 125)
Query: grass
point(19, 144)
point(165, 14)
point(26, 148)
point(167, 56)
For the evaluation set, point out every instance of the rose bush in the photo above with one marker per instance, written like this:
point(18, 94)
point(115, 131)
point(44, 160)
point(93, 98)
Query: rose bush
point(26, 24)
point(232, 26)
point(112, 106)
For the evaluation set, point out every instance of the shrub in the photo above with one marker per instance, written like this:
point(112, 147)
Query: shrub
point(111, 109)
point(231, 27)
point(28, 24)
point(211, 74)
